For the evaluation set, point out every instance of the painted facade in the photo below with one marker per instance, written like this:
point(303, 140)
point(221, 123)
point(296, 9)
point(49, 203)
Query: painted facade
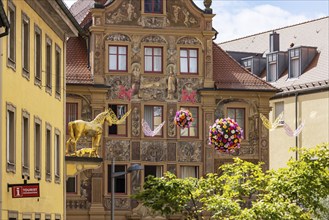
point(304, 95)
point(154, 59)
point(32, 100)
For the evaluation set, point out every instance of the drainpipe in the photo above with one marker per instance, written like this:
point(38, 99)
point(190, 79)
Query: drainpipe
point(296, 123)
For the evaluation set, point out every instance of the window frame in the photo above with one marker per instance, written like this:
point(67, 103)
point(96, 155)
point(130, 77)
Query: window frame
point(11, 52)
point(294, 55)
point(37, 55)
point(153, 165)
point(11, 139)
point(196, 170)
point(153, 57)
point(48, 64)
point(57, 155)
point(37, 148)
point(116, 126)
point(272, 59)
point(277, 113)
point(58, 72)
point(75, 184)
point(25, 149)
point(109, 178)
point(152, 126)
point(188, 58)
point(117, 58)
point(243, 134)
point(25, 45)
point(161, 10)
point(195, 118)
point(48, 152)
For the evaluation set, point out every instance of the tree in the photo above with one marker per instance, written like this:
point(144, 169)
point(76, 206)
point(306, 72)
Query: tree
point(243, 191)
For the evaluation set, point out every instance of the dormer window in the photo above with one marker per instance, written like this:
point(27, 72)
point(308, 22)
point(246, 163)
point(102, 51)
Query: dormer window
point(153, 6)
point(247, 63)
point(299, 59)
point(272, 67)
point(294, 63)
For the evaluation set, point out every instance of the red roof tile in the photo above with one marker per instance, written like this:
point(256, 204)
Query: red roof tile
point(77, 71)
point(229, 74)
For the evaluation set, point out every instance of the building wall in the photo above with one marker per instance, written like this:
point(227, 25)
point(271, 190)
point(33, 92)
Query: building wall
point(20, 91)
point(312, 110)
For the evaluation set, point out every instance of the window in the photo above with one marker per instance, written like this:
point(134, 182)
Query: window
point(279, 108)
point(11, 137)
point(272, 69)
point(192, 131)
point(71, 113)
point(294, 64)
point(189, 61)
point(153, 6)
point(155, 171)
point(120, 129)
point(247, 63)
point(58, 71)
point(189, 171)
point(37, 216)
point(12, 34)
point(57, 154)
point(25, 44)
point(48, 216)
point(26, 143)
point(117, 58)
point(120, 181)
point(48, 63)
point(153, 116)
point(71, 185)
point(238, 115)
point(37, 148)
point(12, 215)
point(153, 59)
point(37, 54)
point(48, 152)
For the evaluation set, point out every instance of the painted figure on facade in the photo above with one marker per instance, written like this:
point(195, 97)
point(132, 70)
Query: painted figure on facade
point(171, 83)
point(93, 129)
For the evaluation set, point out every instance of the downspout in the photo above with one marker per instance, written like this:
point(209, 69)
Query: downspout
point(296, 123)
point(1, 123)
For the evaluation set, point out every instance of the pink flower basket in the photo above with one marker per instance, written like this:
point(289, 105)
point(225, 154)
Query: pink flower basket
point(183, 118)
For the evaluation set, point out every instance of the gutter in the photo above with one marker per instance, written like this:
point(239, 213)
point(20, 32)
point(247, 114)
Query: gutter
point(1, 123)
point(301, 92)
point(249, 90)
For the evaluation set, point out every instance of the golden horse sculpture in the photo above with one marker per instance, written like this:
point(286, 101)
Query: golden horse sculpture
point(93, 129)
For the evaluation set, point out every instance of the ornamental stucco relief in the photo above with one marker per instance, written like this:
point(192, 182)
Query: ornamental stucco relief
point(189, 151)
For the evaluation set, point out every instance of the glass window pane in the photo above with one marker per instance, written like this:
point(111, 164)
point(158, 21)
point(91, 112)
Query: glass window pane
point(148, 51)
point(193, 65)
point(183, 53)
point(122, 50)
point(193, 131)
point(193, 53)
point(294, 68)
point(113, 62)
point(183, 65)
point(184, 132)
point(122, 62)
point(158, 51)
point(113, 50)
point(157, 64)
point(148, 64)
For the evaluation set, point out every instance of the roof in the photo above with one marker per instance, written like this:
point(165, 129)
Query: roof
point(77, 71)
point(312, 33)
point(229, 74)
point(3, 20)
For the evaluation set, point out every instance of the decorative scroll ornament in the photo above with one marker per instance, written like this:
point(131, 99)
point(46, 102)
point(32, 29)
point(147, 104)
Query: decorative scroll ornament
point(183, 118)
point(294, 133)
point(188, 96)
point(113, 118)
point(147, 130)
point(125, 94)
point(268, 124)
point(226, 135)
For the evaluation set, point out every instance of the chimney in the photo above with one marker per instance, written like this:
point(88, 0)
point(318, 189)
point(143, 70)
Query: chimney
point(274, 42)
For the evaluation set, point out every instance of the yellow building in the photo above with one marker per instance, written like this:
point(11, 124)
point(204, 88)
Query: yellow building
point(32, 100)
point(142, 47)
point(297, 63)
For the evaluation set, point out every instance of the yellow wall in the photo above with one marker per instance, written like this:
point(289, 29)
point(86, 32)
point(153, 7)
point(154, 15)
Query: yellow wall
point(313, 110)
point(24, 94)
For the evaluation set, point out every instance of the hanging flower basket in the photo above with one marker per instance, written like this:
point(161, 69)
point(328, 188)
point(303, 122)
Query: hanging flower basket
point(183, 118)
point(225, 134)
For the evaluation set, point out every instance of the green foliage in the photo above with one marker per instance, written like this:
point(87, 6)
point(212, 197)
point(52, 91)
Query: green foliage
point(243, 191)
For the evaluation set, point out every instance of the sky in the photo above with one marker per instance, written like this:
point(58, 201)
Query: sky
point(240, 18)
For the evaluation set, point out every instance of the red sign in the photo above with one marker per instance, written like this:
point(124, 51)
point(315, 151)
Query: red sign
point(23, 191)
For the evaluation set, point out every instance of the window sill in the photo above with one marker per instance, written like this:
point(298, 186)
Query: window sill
point(26, 74)
point(37, 82)
point(11, 64)
point(11, 167)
